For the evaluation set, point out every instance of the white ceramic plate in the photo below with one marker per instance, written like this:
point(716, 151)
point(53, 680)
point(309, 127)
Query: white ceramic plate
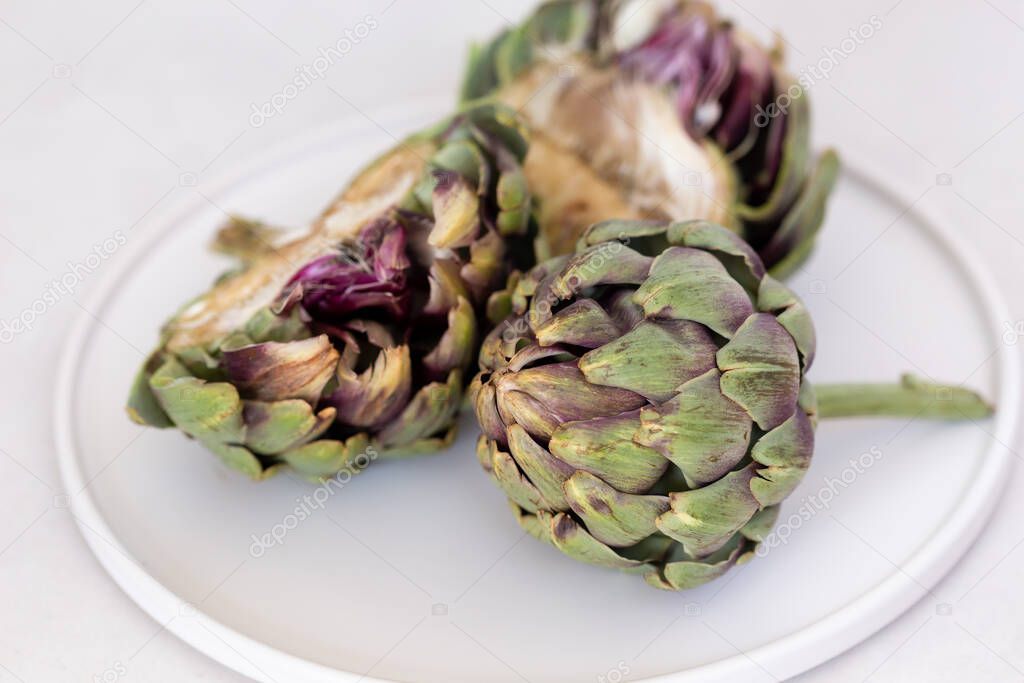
point(416, 571)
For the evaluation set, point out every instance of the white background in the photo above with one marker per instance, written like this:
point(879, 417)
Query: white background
point(109, 109)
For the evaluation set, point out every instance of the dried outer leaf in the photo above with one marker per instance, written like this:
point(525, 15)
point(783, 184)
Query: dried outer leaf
point(246, 238)
point(374, 397)
point(274, 371)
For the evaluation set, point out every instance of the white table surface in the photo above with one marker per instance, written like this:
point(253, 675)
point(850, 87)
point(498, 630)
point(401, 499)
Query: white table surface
point(111, 109)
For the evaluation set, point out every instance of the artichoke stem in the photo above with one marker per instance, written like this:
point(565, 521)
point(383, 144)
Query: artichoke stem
point(911, 397)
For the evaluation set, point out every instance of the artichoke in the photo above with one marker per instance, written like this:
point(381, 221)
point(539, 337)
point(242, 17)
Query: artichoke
point(644, 109)
point(355, 339)
point(645, 407)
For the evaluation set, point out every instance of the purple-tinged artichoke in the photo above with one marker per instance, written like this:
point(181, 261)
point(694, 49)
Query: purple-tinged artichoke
point(645, 406)
point(658, 109)
point(354, 340)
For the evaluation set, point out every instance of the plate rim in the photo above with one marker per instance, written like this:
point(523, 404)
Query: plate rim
point(789, 655)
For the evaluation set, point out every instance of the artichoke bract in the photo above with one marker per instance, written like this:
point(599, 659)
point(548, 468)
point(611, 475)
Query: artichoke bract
point(659, 109)
point(355, 339)
point(645, 406)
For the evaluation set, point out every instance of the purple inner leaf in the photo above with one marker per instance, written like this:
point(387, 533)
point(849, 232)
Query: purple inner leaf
point(720, 81)
point(369, 273)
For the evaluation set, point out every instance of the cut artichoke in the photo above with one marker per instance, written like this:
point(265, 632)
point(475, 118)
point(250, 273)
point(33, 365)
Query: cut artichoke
point(657, 110)
point(353, 340)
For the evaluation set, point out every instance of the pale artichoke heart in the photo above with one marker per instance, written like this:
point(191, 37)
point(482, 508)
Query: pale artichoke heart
point(234, 300)
point(604, 145)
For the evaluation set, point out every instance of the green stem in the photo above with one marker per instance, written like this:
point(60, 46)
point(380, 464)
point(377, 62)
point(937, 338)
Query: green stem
point(912, 397)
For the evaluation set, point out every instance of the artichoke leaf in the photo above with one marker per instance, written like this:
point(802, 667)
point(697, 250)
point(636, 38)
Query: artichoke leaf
point(706, 518)
point(605, 447)
point(689, 284)
point(616, 519)
point(761, 370)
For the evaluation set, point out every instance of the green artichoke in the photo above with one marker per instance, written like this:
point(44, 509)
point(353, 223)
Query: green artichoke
point(658, 110)
point(645, 407)
point(354, 340)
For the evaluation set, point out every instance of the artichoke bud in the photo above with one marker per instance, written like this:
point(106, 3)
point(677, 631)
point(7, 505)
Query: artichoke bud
point(353, 339)
point(690, 125)
point(649, 417)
